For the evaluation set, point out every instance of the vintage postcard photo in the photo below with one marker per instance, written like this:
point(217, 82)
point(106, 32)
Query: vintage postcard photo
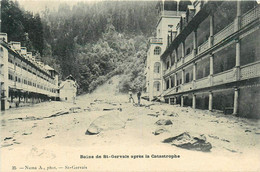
point(129, 85)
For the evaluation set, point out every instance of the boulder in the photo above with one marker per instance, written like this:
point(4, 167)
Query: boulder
point(187, 141)
point(106, 122)
point(75, 110)
point(172, 114)
point(164, 122)
point(160, 131)
point(152, 114)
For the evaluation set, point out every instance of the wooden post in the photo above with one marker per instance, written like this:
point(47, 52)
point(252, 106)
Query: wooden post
point(235, 110)
point(194, 71)
point(182, 101)
point(175, 79)
point(183, 51)
point(176, 57)
point(194, 101)
point(195, 43)
point(170, 82)
point(211, 30)
point(238, 17)
point(238, 56)
point(183, 76)
point(210, 101)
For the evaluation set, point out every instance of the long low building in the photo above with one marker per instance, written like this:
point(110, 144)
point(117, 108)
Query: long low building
point(213, 61)
point(23, 78)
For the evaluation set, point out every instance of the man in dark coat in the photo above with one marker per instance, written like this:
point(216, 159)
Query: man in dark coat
point(139, 97)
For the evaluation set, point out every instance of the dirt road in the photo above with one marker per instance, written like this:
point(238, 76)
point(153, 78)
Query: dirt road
point(52, 136)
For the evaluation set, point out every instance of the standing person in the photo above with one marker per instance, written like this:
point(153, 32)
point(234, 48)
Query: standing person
point(131, 96)
point(139, 97)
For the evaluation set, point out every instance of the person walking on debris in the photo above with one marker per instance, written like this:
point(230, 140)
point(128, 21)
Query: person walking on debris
point(139, 97)
point(131, 96)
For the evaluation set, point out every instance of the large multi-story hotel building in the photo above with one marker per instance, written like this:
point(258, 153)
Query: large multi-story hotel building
point(23, 78)
point(213, 60)
point(169, 16)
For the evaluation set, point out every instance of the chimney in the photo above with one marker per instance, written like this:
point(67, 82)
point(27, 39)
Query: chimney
point(3, 36)
point(15, 45)
point(29, 55)
point(23, 51)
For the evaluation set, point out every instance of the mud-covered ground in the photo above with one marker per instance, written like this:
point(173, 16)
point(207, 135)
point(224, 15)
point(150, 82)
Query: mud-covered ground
point(53, 136)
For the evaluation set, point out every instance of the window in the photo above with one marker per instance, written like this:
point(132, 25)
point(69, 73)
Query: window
point(156, 86)
point(10, 77)
point(157, 67)
point(225, 59)
point(187, 77)
point(167, 65)
point(250, 48)
point(157, 51)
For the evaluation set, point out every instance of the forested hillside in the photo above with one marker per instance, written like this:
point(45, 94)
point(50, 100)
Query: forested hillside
point(91, 41)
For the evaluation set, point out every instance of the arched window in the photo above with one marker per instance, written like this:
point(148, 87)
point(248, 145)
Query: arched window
point(157, 67)
point(157, 51)
point(156, 85)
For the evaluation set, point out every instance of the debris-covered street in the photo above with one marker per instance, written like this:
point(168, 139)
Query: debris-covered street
point(60, 134)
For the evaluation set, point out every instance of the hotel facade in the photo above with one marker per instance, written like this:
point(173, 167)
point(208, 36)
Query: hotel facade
point(212, 62)
point(24, 79)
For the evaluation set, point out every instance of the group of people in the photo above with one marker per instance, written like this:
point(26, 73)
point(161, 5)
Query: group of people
point(131, 96)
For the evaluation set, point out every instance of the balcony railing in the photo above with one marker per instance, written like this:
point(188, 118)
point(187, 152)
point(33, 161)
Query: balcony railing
point(224, 77)
point(11, 65)
point(250, 16)
point(247, 71)
point(201, 83)
point(187, 86)
point(228, 30)
point(203, 47)
point(11, 84)
point(250, 70)
point(155, 41)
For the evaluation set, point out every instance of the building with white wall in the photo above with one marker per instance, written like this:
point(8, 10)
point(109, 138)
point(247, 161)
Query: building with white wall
point(170, 13)
point(213, 62)
point(68, 89)
point(24, 80)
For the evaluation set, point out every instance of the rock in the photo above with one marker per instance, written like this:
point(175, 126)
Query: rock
point(106, 122)
point(160, 131)
point(6, 145)
point(151, 114)
point(186, 141)
point(58, 114)
point(75, 109)
point(224, 140)
point(25, 134)
point(8, 138)
point(108, 109)
point(214, 137)
point(166, 113)
point(49, 136)
point(164, 122)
